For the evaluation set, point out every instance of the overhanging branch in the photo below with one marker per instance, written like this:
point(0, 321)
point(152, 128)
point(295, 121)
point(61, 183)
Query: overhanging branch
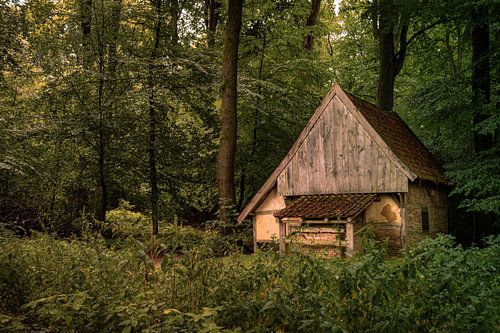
point(418, 33)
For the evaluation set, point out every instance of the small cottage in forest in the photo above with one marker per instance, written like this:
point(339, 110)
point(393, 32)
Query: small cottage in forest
point(353, 166)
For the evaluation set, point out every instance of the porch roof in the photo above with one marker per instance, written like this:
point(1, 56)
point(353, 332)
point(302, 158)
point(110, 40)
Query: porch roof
point(331, 206)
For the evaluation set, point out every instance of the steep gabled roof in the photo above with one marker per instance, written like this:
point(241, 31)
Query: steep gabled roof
point(329, 206)
point(271, 181)
point(388, 131)
point(401, 140)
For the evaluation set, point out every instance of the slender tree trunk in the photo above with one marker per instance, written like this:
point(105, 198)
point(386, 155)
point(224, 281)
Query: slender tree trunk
point(112, 51)
point(480, 99)
point(174, 20)
point(212, 8)
point(228, 131)
point(480, 74)
point(255, 124)
point(152, 121)
point(312, 20)
point(86, 28)
point(102, 135)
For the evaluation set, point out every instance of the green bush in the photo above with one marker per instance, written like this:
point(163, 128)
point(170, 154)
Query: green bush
point(123, 224)
point(86, 286)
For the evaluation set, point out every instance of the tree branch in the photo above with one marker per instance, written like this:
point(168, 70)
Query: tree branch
point(418, 33)
point(399, 59)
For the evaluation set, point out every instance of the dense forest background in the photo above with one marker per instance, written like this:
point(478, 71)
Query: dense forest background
point(118, 102)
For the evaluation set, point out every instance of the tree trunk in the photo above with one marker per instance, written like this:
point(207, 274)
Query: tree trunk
point(480, 74)
point(86, 28)
point(390, 30)
point(228, 131)
point(102, 135)
point(255, 123)
point(386, 75)
point(173, 23)
point(115, 29)
point(153, 181)
point(312, 20)
point(212, 8)
point(480, 99)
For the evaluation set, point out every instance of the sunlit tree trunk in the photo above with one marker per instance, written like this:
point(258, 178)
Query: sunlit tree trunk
point(175, 13)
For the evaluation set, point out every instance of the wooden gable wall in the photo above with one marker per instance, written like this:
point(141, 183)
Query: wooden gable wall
point(339, 156)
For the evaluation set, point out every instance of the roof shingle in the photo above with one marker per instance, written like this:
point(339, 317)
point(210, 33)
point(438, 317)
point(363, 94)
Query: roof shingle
point(401, 140)
point(329, 206)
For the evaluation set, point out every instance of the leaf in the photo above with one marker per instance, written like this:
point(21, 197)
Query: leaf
point(267, 306)
point(171, 310)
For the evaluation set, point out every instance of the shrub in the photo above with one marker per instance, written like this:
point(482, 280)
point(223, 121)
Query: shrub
point(60, 285)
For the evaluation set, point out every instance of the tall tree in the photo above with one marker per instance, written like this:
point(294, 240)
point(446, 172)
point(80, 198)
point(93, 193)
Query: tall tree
point(228, 118)
point(153, 181)
point(480, 73)
point(312, 20)
point(390, 27)
point(212, 16)
point(481, 94)
point(86, 30)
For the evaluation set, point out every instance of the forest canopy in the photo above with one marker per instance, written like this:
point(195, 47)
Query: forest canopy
point(132, 133)
point(109, 101)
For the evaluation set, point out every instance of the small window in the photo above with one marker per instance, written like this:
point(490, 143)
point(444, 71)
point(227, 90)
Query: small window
point(425, 219)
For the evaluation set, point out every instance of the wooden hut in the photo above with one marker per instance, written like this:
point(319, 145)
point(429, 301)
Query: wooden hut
point(352, 166)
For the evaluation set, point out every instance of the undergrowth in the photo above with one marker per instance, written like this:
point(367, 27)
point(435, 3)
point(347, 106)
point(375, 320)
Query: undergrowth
point(86, 285)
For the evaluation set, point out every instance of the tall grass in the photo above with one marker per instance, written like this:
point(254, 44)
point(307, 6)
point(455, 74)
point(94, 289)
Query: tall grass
point(87, 286)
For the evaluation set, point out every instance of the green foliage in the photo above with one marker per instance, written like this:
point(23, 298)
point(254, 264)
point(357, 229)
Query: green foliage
point(85, 286)
point(478, 179)
point(123, 226)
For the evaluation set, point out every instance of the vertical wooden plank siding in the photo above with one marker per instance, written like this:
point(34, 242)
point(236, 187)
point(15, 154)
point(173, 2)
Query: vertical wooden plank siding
point(339, 156)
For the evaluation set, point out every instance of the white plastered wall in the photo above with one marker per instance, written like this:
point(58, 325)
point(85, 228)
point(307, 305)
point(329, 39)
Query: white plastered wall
point(266, 227)
point(385, 210)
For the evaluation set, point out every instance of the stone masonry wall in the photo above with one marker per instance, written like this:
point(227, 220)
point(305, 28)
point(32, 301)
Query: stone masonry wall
point(434, 199)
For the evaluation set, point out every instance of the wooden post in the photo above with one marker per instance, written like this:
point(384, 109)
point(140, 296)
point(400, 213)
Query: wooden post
point(349, 233)
point(254, 230)
point(402, 207)
point(282, 235)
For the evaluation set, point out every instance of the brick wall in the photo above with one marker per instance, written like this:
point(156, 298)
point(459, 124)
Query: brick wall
point(432, 198)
